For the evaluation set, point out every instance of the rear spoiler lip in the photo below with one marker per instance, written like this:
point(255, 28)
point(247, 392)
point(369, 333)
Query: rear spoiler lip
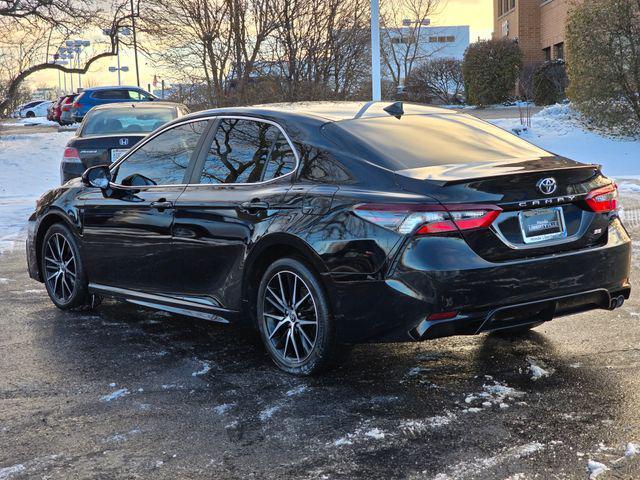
point(595, 167)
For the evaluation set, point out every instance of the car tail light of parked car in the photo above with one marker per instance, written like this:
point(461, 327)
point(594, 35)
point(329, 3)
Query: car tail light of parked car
point(603, 199)
point(71, 155)
point(428, 219)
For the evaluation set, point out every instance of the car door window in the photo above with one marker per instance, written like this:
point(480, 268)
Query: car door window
point(164, 159)
point(137, 95)
point(111, 95)
point(242, 151)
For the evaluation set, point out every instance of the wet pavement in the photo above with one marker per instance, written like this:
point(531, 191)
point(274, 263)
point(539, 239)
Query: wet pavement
point(122, 392)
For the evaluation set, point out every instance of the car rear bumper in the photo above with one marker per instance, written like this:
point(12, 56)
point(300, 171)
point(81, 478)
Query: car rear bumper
point(69, 170)
point(443, 274)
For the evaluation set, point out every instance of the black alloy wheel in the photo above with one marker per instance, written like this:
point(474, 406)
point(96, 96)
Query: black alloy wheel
point(62, 269)
point(294, 319)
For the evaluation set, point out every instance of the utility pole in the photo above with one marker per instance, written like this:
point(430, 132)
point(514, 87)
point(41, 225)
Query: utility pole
point(375, 51)
point(135, 43)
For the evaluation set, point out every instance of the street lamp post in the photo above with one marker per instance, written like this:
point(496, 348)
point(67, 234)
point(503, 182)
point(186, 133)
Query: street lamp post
point(135, 43)
point(376, 94)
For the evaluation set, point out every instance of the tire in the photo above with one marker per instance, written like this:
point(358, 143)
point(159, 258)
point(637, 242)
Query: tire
point(515, 331)
point(296, 342)
point(30, 114)
point(62, 269)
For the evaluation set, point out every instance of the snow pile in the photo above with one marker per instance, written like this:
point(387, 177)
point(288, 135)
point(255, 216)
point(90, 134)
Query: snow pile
point(115, 395)
point(477, 466)
point(362, 434)
point(595, 469)
point(296, 391)
point(29, 166)
point(205, 367)
point(557, 129)
point(498, 394)
point(267, 413)
point(417, 426)
point(632, 450)
point(7, 472)
point(537, 370)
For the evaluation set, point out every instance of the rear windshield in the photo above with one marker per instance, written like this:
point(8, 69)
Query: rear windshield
point(417, 141)
point(127, 120)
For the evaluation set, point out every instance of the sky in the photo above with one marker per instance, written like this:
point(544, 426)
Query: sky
point(478, 14)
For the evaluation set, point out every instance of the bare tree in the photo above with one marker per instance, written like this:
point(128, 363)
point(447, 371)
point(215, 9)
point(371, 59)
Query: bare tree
point(403, 39)
point(248, 51)
point(32, 34)
point(439, 79)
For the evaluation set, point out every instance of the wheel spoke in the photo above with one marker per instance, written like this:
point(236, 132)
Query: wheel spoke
point(307, 295)
point(284, 300)
point(305, 338)
point(281, 306)
point(295, 344)
point(278, 326)
point(306, 322)
point(286, 344)
point(295, 284)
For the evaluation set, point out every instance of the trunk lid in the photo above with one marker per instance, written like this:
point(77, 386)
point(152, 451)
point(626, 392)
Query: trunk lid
point(516, 188)
point(103, 150)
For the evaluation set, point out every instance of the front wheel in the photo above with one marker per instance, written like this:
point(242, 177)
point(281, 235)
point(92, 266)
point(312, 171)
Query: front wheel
point(294, 319)
point(62, 269)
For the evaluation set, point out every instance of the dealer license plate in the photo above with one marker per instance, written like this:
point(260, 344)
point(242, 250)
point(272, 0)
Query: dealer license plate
point(542, 224)
point(116, 153)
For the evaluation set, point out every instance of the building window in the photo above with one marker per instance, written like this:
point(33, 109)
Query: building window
point(558, 51)
point(408, 40)
point(547, 53)
point(505, 6)
point(451, 39)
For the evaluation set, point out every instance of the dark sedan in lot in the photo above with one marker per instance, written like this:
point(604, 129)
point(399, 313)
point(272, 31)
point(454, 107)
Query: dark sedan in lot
point(109, 131)
point(323, 225)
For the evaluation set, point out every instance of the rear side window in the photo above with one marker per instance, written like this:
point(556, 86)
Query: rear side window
point(126, 120)
point(111, 94)
point(247, 151)
point(164, 159)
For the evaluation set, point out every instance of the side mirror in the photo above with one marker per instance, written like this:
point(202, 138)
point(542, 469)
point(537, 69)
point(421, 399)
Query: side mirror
point(98, 176)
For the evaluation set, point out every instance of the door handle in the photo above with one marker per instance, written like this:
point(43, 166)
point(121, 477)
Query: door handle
point(162, 204)
point(253, 206)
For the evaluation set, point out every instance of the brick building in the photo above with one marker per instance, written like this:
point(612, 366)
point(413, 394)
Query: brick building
point(538, 26)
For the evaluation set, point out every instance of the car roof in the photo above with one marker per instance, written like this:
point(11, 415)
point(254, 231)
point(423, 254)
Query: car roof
point(325, 111)
point(154, 104)
point(114, 87)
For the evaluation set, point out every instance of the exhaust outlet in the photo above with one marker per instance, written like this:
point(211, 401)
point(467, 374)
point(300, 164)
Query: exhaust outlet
point(616, 302)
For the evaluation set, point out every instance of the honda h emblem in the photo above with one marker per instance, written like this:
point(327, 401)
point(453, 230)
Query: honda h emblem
point(124, 142)
point(547, 185)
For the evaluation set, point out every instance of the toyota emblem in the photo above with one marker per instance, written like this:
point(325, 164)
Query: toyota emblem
point(124, 142)
point(547, 185)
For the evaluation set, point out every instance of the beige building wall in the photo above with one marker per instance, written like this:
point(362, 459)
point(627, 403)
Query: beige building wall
point(536, 24)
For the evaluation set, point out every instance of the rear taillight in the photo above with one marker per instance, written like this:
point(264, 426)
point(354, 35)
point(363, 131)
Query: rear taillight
point(76, 105)
point(604, 199)
point(71, 155)
point(428, 219)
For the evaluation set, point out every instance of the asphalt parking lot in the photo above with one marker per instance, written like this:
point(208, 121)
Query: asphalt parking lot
point(122, 392)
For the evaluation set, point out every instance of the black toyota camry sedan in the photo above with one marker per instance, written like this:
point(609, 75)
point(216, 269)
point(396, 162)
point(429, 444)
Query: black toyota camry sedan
point(324, 225)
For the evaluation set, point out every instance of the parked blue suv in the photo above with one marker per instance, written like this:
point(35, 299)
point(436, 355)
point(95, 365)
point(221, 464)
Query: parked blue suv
point(90, 97)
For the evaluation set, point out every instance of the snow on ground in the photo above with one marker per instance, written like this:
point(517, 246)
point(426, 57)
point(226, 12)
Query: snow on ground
point(29, 166)
point(26, 122)
point(558, 130)
point(538, 369)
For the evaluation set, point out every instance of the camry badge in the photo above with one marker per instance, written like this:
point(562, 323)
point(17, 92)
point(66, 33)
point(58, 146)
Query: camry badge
point(124, 142)
point(547, 185)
